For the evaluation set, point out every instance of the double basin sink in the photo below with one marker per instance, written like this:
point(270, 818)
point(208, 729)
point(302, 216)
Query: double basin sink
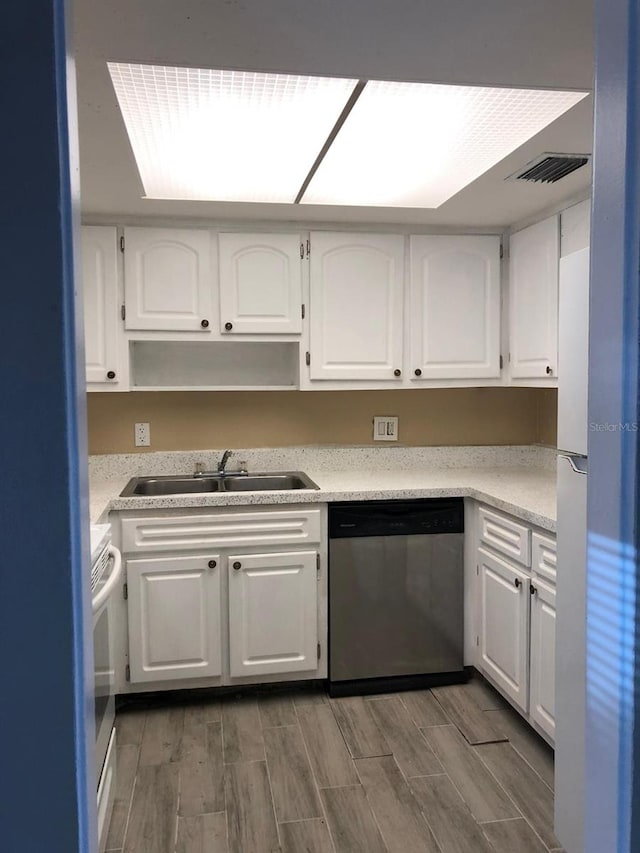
point(208, 483)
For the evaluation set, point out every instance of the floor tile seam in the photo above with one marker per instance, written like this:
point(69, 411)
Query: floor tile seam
point(273, 800)
point(524, 817)
point(530, 765)
point(422, 812)
point(366, 796)
point(527, 762)
point(241, 760)
point(415, 722)
point(129, 810)
point(516, 807)
point(313, 775)
point(529, 824)
point(523, 757)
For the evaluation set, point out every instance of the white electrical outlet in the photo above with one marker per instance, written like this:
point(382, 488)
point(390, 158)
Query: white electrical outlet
point(142, 435)
point(385, 429)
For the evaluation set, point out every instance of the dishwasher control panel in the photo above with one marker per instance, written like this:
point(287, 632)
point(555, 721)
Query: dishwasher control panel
point(396, 518)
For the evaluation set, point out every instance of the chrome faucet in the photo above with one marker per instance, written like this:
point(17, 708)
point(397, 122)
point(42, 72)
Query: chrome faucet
point(222, 464)
point(221, 470)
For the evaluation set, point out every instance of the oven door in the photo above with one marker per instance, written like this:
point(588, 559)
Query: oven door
point(104, 679)
point(103, 658)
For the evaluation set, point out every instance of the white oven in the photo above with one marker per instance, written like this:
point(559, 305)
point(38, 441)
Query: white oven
point(106, 567)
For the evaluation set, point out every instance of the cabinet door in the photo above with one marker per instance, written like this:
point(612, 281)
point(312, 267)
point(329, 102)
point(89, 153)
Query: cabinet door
point(356, 306)
point(543, 656)
point(101, 309)
point(260, 284)
point(533, 301)
point(504, 625)
point(174, 618)
point(168, 280)
point(455, 307)
point(273, 613)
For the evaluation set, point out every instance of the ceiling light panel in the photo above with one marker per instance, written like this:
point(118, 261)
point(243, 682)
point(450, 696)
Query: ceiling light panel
point(416, 144)
point(225, 135)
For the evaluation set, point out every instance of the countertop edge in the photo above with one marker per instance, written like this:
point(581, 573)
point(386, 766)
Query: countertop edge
point(106, 498)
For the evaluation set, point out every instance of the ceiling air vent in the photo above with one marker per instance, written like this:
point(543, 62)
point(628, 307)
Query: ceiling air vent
point(549, 168)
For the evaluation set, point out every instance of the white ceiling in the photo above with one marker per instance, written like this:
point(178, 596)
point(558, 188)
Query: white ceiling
point(530, 43)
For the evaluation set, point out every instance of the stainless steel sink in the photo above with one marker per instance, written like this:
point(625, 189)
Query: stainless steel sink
point(159, 486)
point(185, 485)
point(267, 482)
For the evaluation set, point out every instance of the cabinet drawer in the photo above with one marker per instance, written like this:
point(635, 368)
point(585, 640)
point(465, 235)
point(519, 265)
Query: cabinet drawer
point(505, 535)
point(221, 530)
point(543, 556)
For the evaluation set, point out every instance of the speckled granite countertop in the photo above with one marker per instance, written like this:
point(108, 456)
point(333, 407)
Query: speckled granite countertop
point(527, 491)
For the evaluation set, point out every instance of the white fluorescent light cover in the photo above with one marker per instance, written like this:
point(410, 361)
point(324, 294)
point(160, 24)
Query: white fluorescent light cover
point(225, 135)
point(416, 144)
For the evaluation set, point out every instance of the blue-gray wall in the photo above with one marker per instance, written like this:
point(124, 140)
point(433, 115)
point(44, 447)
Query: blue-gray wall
point(46, 715)
point(612, 630)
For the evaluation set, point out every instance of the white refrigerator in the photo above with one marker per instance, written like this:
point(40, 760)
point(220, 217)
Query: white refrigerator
point(570, 704)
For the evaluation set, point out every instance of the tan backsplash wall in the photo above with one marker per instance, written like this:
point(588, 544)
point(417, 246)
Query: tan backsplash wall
point(197, 420)
point(548, 416)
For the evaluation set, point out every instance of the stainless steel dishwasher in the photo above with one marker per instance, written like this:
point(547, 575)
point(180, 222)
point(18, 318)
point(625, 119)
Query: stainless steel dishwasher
point(396, 594)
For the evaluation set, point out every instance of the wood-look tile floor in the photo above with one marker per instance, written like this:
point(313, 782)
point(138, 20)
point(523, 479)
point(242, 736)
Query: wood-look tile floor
point(453, 770)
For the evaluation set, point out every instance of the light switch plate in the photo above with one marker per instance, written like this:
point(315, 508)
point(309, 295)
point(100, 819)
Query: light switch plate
point(385, 428)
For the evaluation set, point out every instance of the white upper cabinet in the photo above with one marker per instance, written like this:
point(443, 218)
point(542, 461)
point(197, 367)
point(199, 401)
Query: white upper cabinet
point(260, 283)
point(168, 279)
point(356, 311)
point(454, 307)
point(533, 301)
point(101, 309)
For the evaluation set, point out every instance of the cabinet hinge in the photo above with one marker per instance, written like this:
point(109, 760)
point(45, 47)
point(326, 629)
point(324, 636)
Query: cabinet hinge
point(477, 641)
point(501, 362)
point(509, 357)
point(308, 248)
point(301, 251)
point(478, 570)
point(122, 243)
point(123, 312)
point(127, 672)
point(125, 591)
point(318, 563)
point(319, 651)
point(307, 358)
point(501, 251)
point(304, 311)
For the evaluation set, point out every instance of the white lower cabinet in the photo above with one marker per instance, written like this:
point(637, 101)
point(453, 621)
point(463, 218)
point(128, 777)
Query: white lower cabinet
point(543, 653)
point(174, 618)
point(273, 606)
point(516, 615)
point(223, 596)
point(504, 625)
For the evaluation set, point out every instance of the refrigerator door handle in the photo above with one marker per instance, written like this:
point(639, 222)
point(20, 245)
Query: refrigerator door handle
point(578, 463)
point(574, 466)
